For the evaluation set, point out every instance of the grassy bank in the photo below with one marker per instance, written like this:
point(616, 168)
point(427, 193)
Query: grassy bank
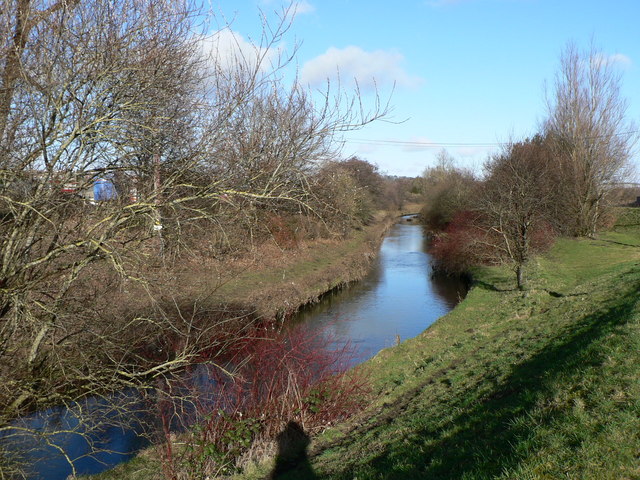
point(541, 384)
point(270, 281)
point(282, 281)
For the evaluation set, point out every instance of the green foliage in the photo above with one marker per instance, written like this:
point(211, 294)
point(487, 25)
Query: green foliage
point(314, 400)
point(222, 450)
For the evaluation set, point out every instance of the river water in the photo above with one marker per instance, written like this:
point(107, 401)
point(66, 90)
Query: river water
point(398, 299)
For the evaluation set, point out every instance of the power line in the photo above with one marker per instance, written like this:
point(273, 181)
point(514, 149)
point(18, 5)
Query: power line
point(401, 143)
point(406, 143)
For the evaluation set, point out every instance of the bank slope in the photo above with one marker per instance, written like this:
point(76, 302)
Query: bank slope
point(543, 384)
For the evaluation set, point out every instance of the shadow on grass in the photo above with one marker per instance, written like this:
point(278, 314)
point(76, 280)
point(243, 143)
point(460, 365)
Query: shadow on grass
point(483, 441)
point(292, 460)
point(565, 295)
point(491, 287)
point(618, 243)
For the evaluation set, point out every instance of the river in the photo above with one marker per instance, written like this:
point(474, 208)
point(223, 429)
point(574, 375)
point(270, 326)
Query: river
point(398, 299)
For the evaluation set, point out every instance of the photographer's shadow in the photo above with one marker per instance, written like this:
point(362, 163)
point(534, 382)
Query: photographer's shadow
point(292, 460)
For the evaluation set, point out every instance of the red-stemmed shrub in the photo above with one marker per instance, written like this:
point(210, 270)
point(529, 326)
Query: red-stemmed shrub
point(468, 240)
point(266, 379)
point(461, 244)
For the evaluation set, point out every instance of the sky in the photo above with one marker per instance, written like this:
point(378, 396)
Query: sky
point(465, 75)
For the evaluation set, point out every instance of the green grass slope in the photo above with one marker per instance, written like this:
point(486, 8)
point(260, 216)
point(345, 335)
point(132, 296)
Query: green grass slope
point(543, 384)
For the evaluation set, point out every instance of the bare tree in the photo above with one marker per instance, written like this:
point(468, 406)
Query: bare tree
point(84, 91)
point(593, 136)
point(447, 190)
point(116, 90)
point(20, 19)
point(516, 200)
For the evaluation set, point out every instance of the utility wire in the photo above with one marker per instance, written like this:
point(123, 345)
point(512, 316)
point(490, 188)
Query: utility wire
point(363, 141)
point(403, 143)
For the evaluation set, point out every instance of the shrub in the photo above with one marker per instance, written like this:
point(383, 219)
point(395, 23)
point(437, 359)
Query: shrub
point(461, 245)
point(447, 190)
point(270, 379)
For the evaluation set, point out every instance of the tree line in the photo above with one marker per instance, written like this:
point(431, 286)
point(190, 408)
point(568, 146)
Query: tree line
point(208, 153)
point(560, 181)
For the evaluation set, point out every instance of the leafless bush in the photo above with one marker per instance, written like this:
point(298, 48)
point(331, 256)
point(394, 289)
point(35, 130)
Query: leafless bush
point(447, 190)
point(119, 91)
point(272, 378)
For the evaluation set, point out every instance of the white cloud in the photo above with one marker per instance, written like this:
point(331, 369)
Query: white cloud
point(303, 7)
point(620, 59)
point(601, 60)
point(379, 67)
point(227, 50)
point(300, 7)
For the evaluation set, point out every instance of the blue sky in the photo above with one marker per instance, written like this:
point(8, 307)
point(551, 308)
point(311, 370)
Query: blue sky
point(468, 73)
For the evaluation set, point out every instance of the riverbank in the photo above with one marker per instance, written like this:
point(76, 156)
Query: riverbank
point(540, 384)
point(266, 282)
point(273, 284)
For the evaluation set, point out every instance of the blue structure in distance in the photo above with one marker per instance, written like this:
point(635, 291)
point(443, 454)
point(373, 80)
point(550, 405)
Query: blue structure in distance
point(103, 189)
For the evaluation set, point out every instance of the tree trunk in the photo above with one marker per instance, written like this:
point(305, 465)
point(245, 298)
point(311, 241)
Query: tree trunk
point(519, 277)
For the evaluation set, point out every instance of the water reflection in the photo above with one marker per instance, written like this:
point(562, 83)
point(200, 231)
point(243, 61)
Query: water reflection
point(400, 297)
point(94, 434)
